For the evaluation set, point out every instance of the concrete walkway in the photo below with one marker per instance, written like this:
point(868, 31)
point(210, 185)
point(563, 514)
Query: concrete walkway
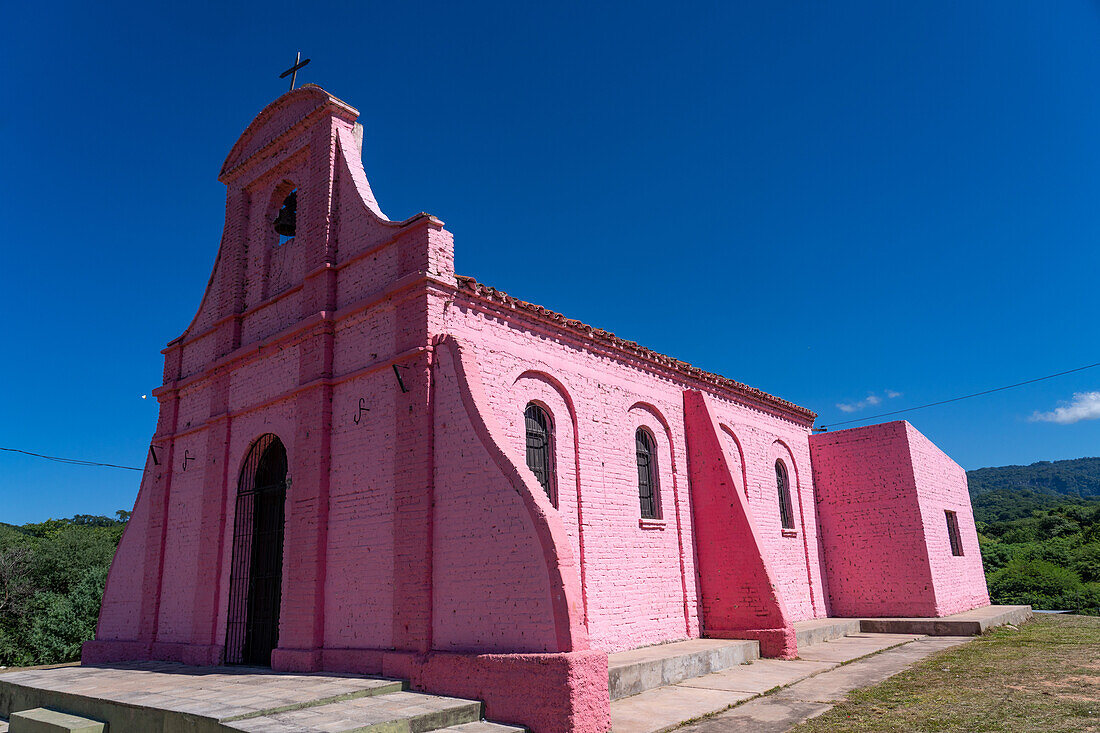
point(808, 686)
point(814, 695)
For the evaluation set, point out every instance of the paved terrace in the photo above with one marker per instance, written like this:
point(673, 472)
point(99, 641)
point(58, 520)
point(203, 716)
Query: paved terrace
point(663, 687)
point(156, 696)
point(653, 689)
point(822, 676)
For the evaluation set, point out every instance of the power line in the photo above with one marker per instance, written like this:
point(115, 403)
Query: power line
point(70, 461)
point(81, 462)
point(964, 397)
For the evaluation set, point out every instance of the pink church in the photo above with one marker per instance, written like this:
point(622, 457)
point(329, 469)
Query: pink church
point(366, 463)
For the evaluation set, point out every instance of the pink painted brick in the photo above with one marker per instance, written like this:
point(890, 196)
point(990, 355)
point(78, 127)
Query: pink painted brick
point(882, 493)
point(417, 543)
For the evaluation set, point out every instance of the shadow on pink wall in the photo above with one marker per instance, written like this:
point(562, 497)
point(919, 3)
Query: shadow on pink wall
point(740, 599)
point(504, 578)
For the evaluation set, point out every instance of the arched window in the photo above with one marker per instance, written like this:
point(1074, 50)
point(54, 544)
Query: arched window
point(646, 450)
point(540, 448)
point(786, 513)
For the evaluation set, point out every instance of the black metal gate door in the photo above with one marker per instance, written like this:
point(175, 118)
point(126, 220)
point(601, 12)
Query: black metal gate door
point(255, 591)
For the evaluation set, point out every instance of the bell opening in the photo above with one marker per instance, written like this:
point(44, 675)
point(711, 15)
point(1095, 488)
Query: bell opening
point(285, 223)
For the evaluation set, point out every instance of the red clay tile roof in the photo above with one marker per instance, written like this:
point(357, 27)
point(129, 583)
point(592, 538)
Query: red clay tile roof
point(607, 338)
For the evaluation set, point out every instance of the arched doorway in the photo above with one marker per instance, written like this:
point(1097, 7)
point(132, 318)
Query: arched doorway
point(255, 584)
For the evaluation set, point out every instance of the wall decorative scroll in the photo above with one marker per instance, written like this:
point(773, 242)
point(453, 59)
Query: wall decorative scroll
point(362, 408)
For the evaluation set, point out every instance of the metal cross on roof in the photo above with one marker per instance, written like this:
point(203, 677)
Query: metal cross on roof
point(293, 70)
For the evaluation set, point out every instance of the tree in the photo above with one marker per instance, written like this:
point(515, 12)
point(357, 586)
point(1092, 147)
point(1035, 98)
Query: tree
point(62, 622)
point(52, 576)
point(1042, 584)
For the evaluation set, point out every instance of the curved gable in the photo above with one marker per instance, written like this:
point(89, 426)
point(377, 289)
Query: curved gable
point(278, 119)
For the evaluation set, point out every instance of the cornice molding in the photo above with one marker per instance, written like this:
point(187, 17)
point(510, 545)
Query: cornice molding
point(606, 338)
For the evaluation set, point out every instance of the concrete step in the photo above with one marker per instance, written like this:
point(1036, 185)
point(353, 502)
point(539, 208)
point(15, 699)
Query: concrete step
point(818, 630)
point(154, 695)
point(44, 720)
point(782, 709)
point(394, 711)
point(637, 670)
point(148, 696)
point(666, 708)
point(967, 623)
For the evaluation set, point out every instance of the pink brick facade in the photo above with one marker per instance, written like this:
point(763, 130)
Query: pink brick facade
point(417, 542)
point(598, 396)
point(883, 491)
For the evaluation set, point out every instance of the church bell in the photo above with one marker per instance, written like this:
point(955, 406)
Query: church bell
point(285, 222)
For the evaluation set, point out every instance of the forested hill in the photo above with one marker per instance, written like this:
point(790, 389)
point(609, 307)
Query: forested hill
point(1076, 477)
point(1039, 532)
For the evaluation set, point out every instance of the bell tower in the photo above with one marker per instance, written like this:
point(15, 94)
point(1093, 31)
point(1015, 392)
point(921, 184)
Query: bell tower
point(280, 216)
point(317, 305)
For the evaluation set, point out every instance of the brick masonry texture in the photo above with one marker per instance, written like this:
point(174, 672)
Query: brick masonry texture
point(417, 543)
point(882, 493)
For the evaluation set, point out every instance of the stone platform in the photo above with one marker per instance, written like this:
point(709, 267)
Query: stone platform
point(643, 669)
point(163, 697)
point(967, 623)
point(817, 630)
point(658, 688)
point(666, 708)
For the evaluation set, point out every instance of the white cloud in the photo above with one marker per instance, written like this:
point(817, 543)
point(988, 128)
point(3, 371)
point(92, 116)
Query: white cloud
point(1083, 406)
point(870, 400)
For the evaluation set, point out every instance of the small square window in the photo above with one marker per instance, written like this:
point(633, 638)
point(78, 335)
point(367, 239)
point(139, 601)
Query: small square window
point(953, 533)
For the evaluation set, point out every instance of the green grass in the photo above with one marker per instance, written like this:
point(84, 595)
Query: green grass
point(1043, 677)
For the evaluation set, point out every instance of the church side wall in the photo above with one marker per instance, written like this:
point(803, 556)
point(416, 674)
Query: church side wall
point(753, 442)
point(491, 589)
point(959, 581)
point(633, 586)
point(638, 576)
point(740, 597)
point(871, 523)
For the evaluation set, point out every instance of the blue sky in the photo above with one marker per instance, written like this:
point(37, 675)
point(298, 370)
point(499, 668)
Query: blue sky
point(828, 201)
